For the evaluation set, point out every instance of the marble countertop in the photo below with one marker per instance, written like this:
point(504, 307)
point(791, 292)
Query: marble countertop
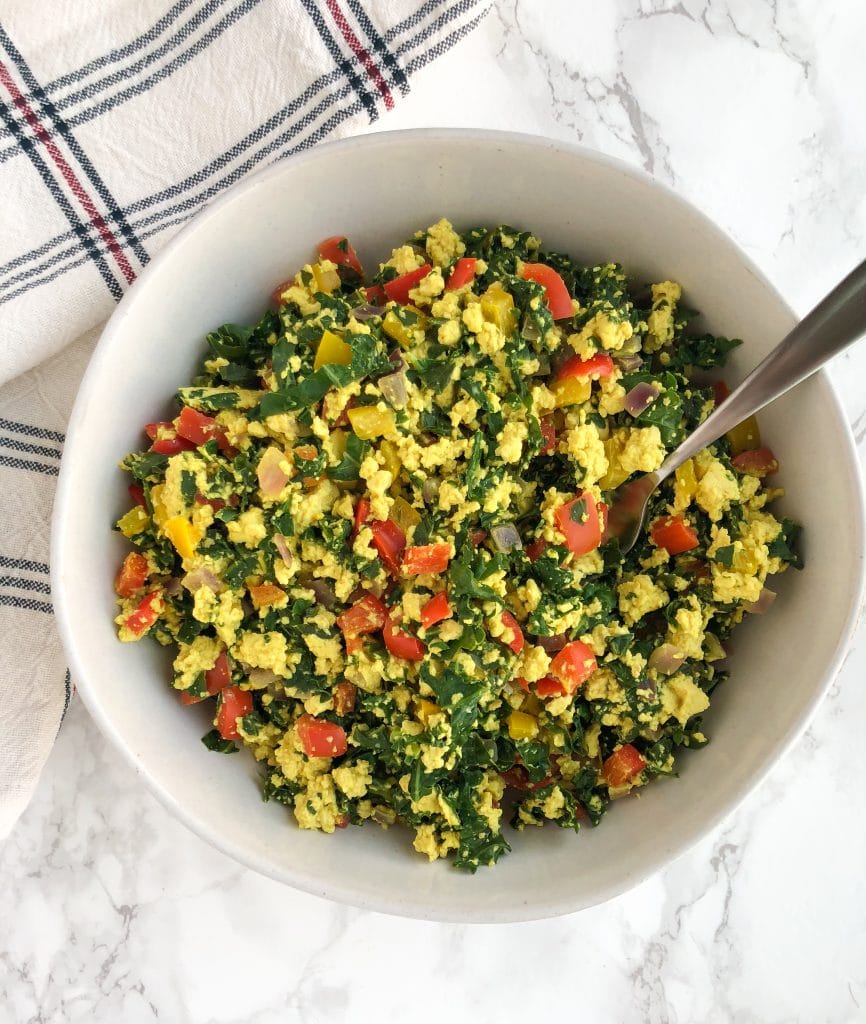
point(114, 912)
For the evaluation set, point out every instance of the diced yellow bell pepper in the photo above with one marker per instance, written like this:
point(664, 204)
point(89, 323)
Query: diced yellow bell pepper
point(615, 474)
point(394, 327)
point(159, 513)
point(425, 710)
point(531, 705)
point(368, 421)
point(404, 515)
point(134, 522)
point(744, 436)
point(181, 532)
point(713, 650)
point(571, 391)
point(326, 277)
point(332, 350)
point(687, 482)
point(336, 443)
point(497, 307)
point(392, 459)
point(522, 726)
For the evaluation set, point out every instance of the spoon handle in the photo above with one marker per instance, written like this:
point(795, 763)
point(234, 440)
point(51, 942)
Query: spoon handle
point(834, 324)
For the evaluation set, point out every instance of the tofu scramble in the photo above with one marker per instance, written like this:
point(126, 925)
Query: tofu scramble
point(374, 538)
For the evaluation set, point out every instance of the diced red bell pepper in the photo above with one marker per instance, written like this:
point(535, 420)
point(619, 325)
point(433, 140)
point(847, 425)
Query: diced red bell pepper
point(139, 621)
point(220, 675)
point(558, 299)
point(375, 295)
point(345, 695)
point(339, 250)
point(573, 665)
point(401, 644)
point(517, 641)
point(166, 440)
point(305, 453)
point(171, 446)
point(234, 703)
point(622, 765)
point(599, 365)
point(759, 461)
point(195, 426)
point(263, 595)
point(277, 293)
point(673, 534)
point(548, 434)
point(546, 687)
point(398, 289)
point(390, 541)
point(579, 523)
point(362, 514)
point(435, 610)
point(136, 492)
point(132, 575)
point(463, 273)
point(187, 698)
point(215, 503)
point(426, 558)
point(550, 687)
point(321, 738)
point(720, 391)
point(536, 549)
point(366, 615)
point(518, 778)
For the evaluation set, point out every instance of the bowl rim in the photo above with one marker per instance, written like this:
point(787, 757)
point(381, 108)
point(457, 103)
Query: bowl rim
point(341, 892)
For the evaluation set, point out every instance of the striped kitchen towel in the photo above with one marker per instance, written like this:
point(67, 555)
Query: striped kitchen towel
point(118, 122)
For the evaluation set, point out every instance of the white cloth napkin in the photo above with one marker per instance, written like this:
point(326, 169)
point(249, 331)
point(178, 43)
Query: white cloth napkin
point(117, 123)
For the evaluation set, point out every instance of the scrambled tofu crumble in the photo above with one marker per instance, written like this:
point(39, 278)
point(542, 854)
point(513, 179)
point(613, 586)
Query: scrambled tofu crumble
point(375, 539)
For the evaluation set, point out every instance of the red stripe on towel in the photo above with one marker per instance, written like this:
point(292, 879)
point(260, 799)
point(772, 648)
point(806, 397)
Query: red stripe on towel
point(69, 177)
point(363, 56)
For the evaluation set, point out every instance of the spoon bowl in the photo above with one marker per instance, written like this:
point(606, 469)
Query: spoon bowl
point(838, 321)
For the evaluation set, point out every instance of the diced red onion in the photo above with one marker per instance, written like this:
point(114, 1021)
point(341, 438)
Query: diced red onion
point(172, 587)
point(552, 644)
point(430, 490)
point(641, 397)
point(505, 537)
point(631, 346)
point(766, 598)
point(202, 577)
point(394, 389)
point(383, 816)
point(666, 659)
point(322, 590)
point(282, 546)
point(367, 312)
point(261, 677)
point(529, 331)
point(629, 363)
point(272, 479)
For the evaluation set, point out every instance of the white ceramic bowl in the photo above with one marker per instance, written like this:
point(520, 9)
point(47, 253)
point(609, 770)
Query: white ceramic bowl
point(378, 189)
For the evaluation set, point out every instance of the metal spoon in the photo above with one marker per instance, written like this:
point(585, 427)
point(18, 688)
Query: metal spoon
point(835, 323)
